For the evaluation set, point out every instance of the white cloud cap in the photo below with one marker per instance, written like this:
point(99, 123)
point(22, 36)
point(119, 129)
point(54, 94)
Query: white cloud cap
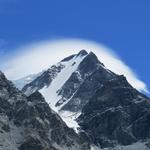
point(38, 56)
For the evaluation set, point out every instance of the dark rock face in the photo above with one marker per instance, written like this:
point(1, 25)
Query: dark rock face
point(67, 58)
point(32, 143)
point(116, 114)
point(28, 123)
point(82, 53)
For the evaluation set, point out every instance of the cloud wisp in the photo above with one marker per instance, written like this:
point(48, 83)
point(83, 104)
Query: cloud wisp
point(38, 56)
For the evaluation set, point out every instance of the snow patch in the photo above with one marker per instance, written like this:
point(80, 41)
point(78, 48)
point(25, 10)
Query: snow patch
point(70, 119)
point(51, 93)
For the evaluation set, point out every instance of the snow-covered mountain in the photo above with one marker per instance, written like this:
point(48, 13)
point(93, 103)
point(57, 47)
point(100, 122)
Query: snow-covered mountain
point(100, 105)
point(67, 83)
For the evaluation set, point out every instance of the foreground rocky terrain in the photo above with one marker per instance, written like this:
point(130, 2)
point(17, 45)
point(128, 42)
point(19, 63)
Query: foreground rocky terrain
point(28, 123)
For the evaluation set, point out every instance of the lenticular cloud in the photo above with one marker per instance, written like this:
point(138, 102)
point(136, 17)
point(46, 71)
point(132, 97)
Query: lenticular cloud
point(36, 57)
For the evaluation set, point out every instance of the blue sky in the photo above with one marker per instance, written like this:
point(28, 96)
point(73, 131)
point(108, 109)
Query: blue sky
point(122, 25)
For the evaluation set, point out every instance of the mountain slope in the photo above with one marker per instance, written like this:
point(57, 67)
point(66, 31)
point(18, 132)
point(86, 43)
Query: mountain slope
point(28, 123)
point(117, 115)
